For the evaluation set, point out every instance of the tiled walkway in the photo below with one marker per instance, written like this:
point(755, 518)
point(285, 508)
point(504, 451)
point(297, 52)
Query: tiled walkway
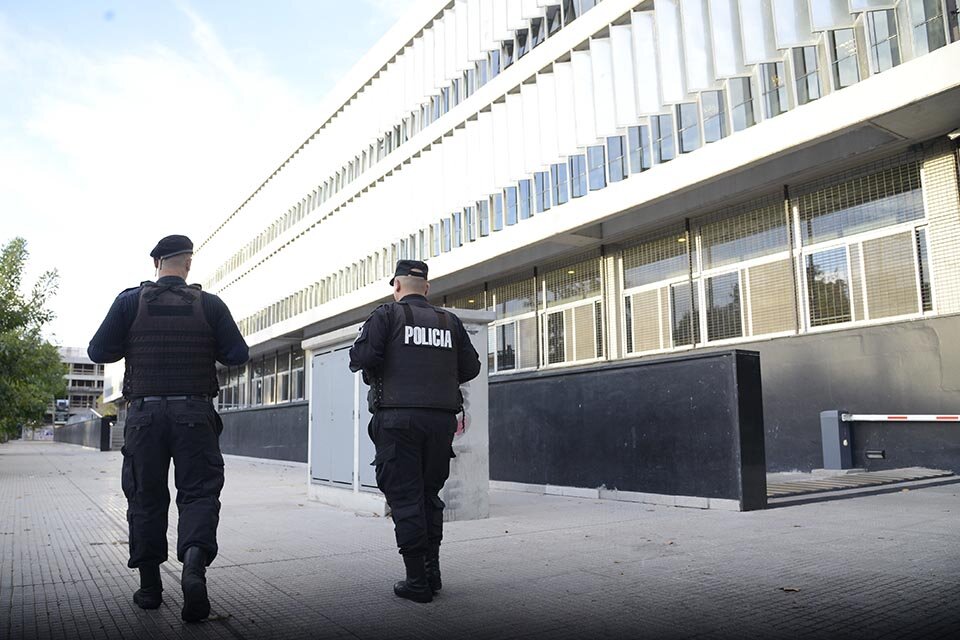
point(540, 567)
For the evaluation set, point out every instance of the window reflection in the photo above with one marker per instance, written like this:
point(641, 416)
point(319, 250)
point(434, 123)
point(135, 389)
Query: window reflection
point(828, 288)
point(714, 116)
point(595, 163)
point(741, 101)
point(578, 176)
point(688, 119)
point(773, 83)
point(884, 42)
point(638, 139)
point(843, 49)
point(661, 130)
point(805, 68)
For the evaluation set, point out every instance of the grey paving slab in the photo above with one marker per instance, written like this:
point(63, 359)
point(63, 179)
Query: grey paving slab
point(541, 567)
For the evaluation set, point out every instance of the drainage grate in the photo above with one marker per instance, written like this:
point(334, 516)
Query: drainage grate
point(852, 481)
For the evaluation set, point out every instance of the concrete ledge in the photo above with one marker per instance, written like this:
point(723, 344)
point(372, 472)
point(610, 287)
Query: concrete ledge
point(692, 502)
point(348, 499)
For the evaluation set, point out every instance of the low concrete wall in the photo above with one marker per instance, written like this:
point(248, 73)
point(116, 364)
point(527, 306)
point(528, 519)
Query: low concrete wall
point(688, 425)
point(93, 433)
point(277, 432)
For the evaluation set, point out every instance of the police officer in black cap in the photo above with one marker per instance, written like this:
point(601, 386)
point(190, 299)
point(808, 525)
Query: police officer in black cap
point(171, 334)
point(414, 356)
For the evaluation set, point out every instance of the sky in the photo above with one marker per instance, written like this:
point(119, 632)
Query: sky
point(125, 121)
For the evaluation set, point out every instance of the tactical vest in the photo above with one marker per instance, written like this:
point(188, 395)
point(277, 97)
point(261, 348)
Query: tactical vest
point(171, 349)
point(420, 362)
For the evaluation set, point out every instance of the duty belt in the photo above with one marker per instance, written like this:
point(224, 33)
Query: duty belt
point(173, 398)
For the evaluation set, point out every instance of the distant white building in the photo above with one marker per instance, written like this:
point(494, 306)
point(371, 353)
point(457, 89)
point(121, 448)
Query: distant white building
point(84, 386)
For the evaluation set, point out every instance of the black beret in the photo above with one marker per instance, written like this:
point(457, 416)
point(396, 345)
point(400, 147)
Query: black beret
point(172, 246)
point(413, 268)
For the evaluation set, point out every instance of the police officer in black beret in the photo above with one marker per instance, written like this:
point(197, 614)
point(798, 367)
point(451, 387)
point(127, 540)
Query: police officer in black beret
point(171, 334)
point(414, 356)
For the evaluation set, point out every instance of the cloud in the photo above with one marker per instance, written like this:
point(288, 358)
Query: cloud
point(102, 154)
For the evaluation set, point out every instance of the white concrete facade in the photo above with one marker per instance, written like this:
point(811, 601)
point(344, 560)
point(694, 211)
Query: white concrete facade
point(670, 108)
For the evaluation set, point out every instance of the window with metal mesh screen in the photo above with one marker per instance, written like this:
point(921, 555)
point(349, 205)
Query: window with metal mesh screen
point(578, 281)
point(513, 298)
point(657, 258)
point(642, 317)
point(828, 287)
point(890, 276)
point(575, 331)
point(887, 197)
point(724, 312)
point(772, 297)
point(742, 233)
point(685, 315)
point(514, 332)
point(926, 292)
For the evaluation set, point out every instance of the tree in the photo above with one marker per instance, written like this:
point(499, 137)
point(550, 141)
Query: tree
point(31, 373)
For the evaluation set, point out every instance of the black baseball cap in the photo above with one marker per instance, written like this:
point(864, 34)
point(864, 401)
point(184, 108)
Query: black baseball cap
point(172, 246)
point(413, 268)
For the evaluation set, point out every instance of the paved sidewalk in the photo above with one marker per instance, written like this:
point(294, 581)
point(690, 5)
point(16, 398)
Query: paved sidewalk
point(879, 566)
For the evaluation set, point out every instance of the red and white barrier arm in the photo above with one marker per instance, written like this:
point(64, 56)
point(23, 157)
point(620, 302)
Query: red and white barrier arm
point(864, 417)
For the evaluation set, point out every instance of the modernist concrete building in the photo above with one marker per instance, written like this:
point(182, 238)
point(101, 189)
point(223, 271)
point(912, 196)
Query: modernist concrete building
point(624, 180)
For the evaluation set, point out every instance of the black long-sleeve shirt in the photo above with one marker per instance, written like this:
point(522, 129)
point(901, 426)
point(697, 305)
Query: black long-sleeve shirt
point(109, 342)
point(368, 351)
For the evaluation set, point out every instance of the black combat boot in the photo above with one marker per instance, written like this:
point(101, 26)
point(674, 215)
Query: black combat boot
point(196, 605)
point(432, 564)
point(415, 587)
point(150, 593)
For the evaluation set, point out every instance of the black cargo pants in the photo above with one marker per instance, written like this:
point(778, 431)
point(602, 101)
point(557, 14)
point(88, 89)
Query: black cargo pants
point(414, 447)
point(188, 431)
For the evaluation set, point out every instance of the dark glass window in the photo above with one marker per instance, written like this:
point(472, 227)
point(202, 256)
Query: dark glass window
point(541, 187)
point(616, 159)
point(538, 31)
point(493, 65)
point(741, 101)
point(953, 20)
point(470, 226)
point(828, 287)
point(561, 185)
point(457, 231)
point(638, 140)
point(506, 54)
point(496, 209)
point(884, 40)
point(843, 51)
point(554, 19)
point(724, 319)
point(927, 19)
point(661, 130)
point(596, 167)
point(523, 43)
point(773, 83)
point(446, 235)
point(807, 72)
point(688, 120)
point(570, 11)
point(483, 217)
point(628, 322)
point(714, 115)
point(510, 193)
point(926, 293)
point(555, 336)
point(469, 82)
point(578, 176)
point(685, 314)
point(526, 199)
point(507, 346)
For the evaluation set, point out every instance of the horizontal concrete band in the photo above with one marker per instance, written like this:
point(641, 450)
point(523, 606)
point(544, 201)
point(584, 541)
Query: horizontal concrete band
point(694, 502)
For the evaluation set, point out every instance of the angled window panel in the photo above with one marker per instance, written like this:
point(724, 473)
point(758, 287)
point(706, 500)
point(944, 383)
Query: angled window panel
point(440, 54)
point(515, 136)
point(830, 14)
point(464, 35)
point(584, 110)
point(416, 85)
point(501, 144)
point(427, 63)
point(472, 161)
point(530, 98)
point(624, 87)
point(530, 9)
point(547, 118)
point(759, 40)
point(670, 51)
point(601, 58)
point(500, 29)
point(698, 54)
point(646, 71)
point(486, 15)
point(486, 177)
point(515, 15)
point(725, 32)
point(566, 116)
point(472, 27)
point(791, 21)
